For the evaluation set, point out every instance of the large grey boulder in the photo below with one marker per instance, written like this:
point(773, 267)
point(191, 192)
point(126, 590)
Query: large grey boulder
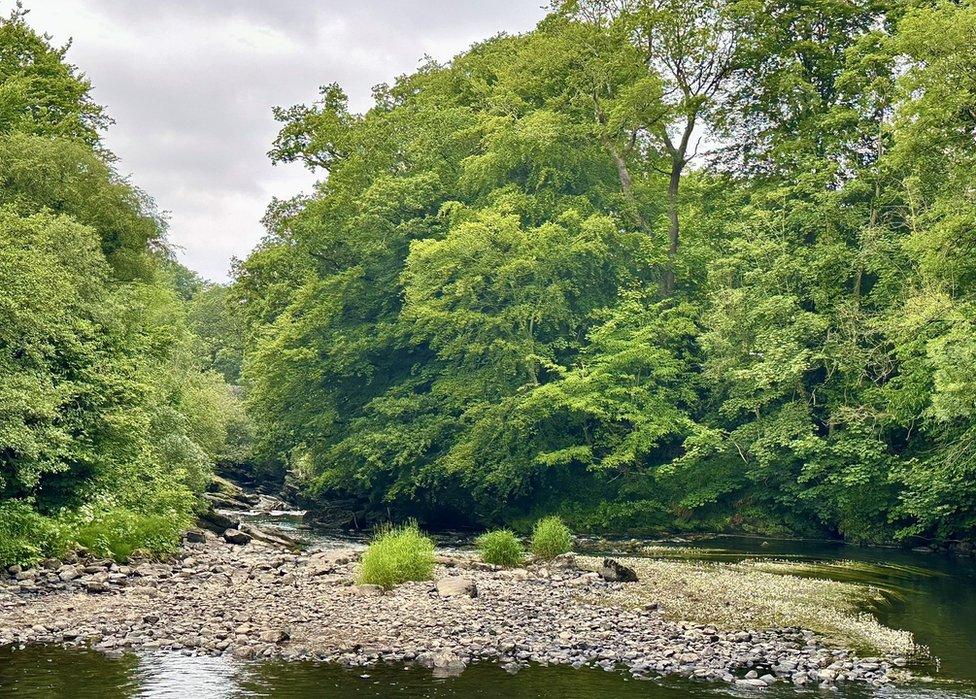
point(455, 586)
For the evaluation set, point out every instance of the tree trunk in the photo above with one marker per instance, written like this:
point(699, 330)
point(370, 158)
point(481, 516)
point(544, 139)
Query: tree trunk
point(667, 280)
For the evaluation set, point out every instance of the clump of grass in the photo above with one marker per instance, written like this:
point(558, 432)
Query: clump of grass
point(501, 548)
point(397, 555)
point(550, 538)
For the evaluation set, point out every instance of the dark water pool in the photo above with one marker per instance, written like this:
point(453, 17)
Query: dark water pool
point(56, 672)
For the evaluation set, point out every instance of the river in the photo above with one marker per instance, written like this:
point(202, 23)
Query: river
point(932, 596)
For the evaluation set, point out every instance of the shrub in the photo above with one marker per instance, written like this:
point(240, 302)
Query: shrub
point(550, 538)
point(117, 532)
point(500, 547)
point(26, 536)
point(397, 555)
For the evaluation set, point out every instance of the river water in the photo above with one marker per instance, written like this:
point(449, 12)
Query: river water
point(930, 595)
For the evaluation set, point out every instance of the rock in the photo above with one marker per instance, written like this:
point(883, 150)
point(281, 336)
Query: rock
point(367, 589)
point(274, 538)
point(454, 586)
point(195, 536)
point(216, 521)
point(444, 663)
point(96, 586)
point(565, 561)
point(235, 536)
point(613, 571)
point(334, 557)
point(244, 653)
point(67, 573)
point(274, 636)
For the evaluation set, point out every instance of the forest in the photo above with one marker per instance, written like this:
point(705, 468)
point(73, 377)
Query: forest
point(112, 408)
point(654, 266)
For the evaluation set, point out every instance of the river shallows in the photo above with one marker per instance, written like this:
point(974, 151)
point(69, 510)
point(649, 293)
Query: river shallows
point(932, 596)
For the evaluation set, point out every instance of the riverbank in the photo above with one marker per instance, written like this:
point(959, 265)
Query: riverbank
point(256, 601)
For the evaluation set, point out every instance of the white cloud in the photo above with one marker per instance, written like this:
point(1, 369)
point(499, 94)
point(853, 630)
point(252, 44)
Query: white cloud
point(191, 84)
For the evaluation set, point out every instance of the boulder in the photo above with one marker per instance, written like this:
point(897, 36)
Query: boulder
point(566, 561)
point(274, 636)
point(444, 663)
point(274, 538)
point(67, 573)
point(367, 589)
point(613, 571)
point(235, 536)
point(454, 586)
point(216, 521)
point(195, 536)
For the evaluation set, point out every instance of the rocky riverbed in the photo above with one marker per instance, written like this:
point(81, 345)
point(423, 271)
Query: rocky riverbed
point(258, 601)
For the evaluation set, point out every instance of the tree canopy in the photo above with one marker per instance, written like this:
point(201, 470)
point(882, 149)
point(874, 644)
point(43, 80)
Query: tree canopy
point(517, 286)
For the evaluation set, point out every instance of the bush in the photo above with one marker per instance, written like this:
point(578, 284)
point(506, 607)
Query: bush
point(397, 555)
point(550, 538)
point(117, 532)
point(500, 547)
point(26, 536)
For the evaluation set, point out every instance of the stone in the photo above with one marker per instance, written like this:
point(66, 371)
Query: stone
point(613, 571)
point(235, 536)
point(245, 653)
point(368, 589)
point(443, 663)
point(564, 561)
point(195, 536)
point(273, 538)
point(274, 636)
point(456, 586)
point(67, 573)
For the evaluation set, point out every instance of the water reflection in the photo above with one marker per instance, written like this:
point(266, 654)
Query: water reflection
point(46, 673)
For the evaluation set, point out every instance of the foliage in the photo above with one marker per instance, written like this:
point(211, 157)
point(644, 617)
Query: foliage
point(485, 311)
point(397, 555)
point(27, 536)
point(500, 547)
point(110, 417)
point(550, 538)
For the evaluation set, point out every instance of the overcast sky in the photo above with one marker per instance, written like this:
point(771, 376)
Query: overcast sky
point(191, 83)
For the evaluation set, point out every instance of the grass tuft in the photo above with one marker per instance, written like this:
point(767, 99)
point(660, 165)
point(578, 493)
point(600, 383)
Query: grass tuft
point(550, 538)
point(501, 548)
point(397, 555)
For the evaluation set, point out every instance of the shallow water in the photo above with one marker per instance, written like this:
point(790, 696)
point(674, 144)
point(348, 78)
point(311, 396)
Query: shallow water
point(932, 596)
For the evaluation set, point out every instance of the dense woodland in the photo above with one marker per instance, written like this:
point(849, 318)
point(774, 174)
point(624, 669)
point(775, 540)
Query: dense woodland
point(654, 266)
point(111, 414)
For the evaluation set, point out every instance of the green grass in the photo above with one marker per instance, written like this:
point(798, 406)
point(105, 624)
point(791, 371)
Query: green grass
point(396, 556)
point(501, 548)
point(550, 538)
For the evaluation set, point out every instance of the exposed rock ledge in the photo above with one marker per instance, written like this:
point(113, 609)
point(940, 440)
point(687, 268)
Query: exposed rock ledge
point(254, 601)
